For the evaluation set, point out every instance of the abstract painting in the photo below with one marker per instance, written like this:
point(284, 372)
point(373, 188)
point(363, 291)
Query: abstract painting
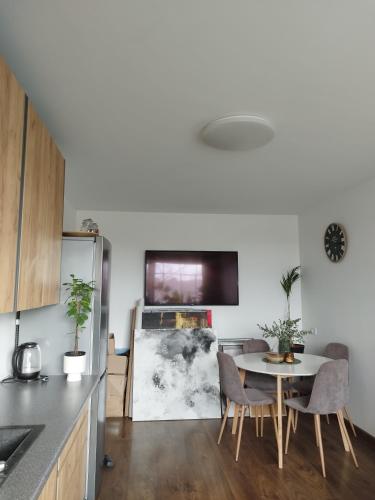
point(161, 320)
point(176, 375)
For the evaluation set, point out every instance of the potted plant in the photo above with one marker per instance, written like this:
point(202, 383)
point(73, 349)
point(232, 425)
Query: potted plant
point(286, 331)
point(78, 307)
point(287, 282)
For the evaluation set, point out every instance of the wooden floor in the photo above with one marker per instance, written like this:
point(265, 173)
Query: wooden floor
point(181, 460)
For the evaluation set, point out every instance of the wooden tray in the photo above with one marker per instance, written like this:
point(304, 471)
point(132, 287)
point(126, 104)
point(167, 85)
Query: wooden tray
point(295, 362)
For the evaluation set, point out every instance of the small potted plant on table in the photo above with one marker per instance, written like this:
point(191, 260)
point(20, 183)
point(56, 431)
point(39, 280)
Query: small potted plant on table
point(79, 306)
point(286, 331)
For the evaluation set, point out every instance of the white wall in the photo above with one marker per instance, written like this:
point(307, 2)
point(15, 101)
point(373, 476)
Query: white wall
point(7, 330)
point(267, 246)
point(339, 299)
point(70, 214)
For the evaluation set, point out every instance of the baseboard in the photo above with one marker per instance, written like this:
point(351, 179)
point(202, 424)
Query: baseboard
point(369, 437)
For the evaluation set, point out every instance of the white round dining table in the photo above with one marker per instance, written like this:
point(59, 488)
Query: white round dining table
point(309, 366)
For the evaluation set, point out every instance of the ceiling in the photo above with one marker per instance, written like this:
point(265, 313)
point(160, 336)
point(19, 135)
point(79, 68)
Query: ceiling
point(126, 86)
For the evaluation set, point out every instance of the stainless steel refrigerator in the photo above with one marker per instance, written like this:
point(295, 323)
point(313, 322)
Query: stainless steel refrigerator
point(89, 259)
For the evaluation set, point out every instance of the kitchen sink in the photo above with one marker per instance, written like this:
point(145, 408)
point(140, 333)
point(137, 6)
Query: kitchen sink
point(14, 441)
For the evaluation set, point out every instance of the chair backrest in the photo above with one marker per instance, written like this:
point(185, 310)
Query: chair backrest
point(335, 350)
point(230, 379)
point(330, 391)
point(255, 345)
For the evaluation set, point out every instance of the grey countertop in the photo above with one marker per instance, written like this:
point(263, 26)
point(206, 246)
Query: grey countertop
point(57, 405)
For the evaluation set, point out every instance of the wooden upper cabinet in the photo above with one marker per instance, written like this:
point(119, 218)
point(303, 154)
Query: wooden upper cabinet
point(12, 103)
point(42, 218)
point(31, 167)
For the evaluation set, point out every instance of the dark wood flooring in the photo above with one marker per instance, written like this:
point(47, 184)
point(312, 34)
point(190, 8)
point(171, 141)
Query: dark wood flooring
point(181, 461)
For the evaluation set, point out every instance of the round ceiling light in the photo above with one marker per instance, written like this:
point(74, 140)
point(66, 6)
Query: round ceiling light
point(237, 133)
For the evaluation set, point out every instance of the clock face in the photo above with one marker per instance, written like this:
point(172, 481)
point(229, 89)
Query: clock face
point(335, 242)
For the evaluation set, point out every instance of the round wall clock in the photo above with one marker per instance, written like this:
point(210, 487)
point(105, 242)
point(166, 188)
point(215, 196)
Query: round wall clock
point(335, 242)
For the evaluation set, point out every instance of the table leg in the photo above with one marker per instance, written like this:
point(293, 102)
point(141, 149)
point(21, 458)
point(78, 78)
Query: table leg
point(242, 374)
point(280, 421)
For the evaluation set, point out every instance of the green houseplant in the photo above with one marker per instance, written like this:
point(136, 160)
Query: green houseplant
point(287, 282)
point(286, 331)
point(78, 309)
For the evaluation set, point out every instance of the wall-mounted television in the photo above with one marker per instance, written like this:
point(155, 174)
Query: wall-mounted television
point(191, 278)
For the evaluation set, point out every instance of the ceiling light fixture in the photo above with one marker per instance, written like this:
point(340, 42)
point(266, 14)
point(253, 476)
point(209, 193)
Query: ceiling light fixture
point(237, 133)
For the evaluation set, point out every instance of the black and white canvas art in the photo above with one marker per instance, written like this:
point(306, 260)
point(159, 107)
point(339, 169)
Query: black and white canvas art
point(176, 375)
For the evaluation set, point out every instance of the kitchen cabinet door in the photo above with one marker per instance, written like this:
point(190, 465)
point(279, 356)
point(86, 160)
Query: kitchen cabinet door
point(72, 463)
point(12, 103)
point(42, 218)
point(49, 491)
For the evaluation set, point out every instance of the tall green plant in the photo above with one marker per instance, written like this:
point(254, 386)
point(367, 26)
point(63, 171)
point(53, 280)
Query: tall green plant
point(287, 282)
point(79, 304)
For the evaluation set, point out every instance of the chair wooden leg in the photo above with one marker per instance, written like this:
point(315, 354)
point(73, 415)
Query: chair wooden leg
point(290, 419)
point(224, 420)
point(346, 413)
point(316, 434)
point(240, 432)
point(256, 421)
point(235, 418)
point(341, 417)
point(261, 420)
point(317, 425)
point(242, 374)
point(343, 435)
point(295, 421)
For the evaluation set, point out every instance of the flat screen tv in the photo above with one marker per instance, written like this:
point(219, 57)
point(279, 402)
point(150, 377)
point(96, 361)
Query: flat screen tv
point(191, 278)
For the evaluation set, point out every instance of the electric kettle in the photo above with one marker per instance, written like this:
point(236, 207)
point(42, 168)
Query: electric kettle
point(26, 361)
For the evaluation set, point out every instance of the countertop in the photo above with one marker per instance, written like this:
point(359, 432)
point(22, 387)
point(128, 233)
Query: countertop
point(57, 405)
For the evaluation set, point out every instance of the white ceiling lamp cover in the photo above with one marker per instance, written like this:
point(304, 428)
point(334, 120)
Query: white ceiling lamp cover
point(237, 133)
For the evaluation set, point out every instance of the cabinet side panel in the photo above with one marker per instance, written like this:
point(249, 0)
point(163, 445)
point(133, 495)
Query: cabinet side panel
point(42, 216)
point(12, 100)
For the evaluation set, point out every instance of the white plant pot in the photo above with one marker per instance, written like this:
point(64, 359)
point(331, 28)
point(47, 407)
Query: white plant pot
point(74, 366)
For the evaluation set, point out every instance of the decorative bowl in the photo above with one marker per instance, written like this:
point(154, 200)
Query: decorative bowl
point(275, 357)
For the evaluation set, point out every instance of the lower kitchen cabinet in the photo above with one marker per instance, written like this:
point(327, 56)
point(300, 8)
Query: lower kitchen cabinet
point(67, 480)
point(50, 488)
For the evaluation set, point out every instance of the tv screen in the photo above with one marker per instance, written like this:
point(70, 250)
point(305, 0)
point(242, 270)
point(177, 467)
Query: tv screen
point(186, 278)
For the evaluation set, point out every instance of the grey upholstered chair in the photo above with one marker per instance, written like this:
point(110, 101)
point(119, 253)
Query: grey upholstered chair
point(336, 350)
point(329, 395)
point(266, 383)
point(234, 391)
point(333, 350)
point(255, 345)
point(261, 381)
point(258, 380)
